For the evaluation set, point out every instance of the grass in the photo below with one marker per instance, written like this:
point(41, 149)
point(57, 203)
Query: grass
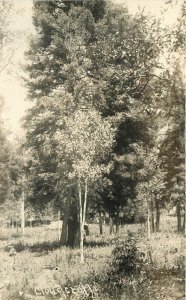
point(37, 261)
point(166, 250)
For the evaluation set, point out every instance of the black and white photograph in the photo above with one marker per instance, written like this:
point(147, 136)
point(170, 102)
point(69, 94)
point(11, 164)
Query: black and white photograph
point(92, 149)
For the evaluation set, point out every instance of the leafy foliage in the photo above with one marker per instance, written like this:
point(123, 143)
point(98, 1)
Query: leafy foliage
point(4, 157)
point(84, 60)
point(84, 143)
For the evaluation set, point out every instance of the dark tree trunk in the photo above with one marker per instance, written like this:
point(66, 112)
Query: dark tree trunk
point(17, 226)
point(86, 228)
point(59, 227)
point(157, 215)
point(152, 217)
point(178, 213)
point(100, 224)
point(152, 221)
point(157, 220)
point(148, 222)
point(117, 222)
point(77, 237)
point(73, 226)
point(111, 224)
point(64, 231)
point(183, 227)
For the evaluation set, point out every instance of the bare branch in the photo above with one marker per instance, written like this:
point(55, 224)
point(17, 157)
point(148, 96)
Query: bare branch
point(8, 62)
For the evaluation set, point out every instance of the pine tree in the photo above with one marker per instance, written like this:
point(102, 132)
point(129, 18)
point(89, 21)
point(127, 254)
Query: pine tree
point(172, 146)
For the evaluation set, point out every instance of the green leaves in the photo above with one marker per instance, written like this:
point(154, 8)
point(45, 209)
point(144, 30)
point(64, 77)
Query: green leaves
point(91, 70)
point(86, 141)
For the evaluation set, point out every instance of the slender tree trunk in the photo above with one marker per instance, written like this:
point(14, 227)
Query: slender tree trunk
point(152, 221)
point(85, 203)
point(23, 213)
point(152, 217)
point(64, 231)
point(59, 229)
point(178, 212)
point(183, 227)
point(158, 220)
point(100, 224)
point(82, 217)
point(80, 223)
point(148, 221)
point(157, 215)
point(85, 209)
point(117, 222)
point(111, 224)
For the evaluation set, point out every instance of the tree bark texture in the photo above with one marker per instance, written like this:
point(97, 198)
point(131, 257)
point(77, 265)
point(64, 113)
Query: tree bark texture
point(100, 224)
point(23, 213)
point(183, 227)
point(111, 223)
point(82, 216)
point(73, 225)
point(80, 223)
point(59, 217)
point(178, 213)
point(117, 222)
point(64, 231)
point(152, 216)
point(148, 221)
point(157, 224)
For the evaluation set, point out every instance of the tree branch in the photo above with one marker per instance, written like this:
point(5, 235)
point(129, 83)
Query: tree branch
point(9, 60)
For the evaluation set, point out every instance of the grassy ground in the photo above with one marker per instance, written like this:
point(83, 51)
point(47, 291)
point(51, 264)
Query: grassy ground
point(36, 262)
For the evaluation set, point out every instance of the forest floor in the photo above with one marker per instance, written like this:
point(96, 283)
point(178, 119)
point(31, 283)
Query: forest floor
point(35, 267)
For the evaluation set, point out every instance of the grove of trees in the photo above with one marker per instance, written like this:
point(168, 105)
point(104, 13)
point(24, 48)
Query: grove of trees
point(106, 129)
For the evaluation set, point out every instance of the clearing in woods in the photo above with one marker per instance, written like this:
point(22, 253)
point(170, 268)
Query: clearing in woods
point(35, 263)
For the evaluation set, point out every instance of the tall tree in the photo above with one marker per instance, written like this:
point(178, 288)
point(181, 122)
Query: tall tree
point(6, 52)
point(5, 145)
point(84, 143)
point(4, 157)
point(103, 59)
point(172, 147)
point(125, 58)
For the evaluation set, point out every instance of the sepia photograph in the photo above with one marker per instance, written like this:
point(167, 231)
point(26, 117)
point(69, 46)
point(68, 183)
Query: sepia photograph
point(92, 149)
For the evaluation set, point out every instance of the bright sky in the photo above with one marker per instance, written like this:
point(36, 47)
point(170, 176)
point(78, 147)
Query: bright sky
point(11, 85)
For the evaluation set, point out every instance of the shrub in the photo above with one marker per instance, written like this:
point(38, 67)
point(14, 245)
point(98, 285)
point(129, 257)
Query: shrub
point(126, 269)
point(127, 259)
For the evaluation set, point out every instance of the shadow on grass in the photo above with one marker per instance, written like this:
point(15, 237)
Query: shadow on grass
point(7, 236)
point(4, 238)
point(16, 235)
point(103, 240)
point(94, 244)
point(43, 248)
